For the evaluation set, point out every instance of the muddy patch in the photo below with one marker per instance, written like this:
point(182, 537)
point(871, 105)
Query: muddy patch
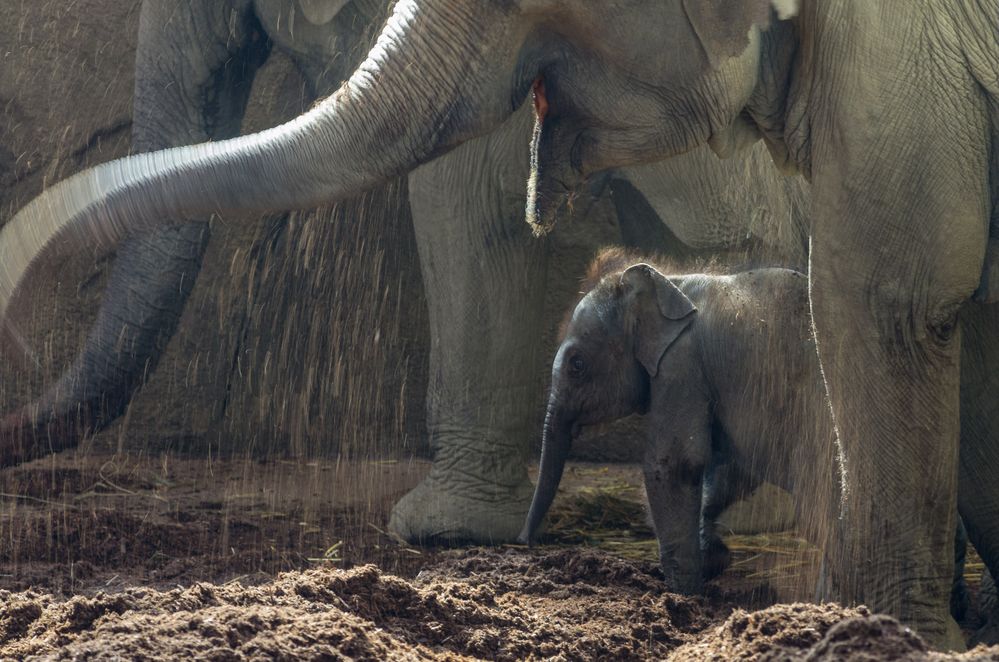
point(506, 604)
point(480, 604)
point(84, 522)
point(110, 556)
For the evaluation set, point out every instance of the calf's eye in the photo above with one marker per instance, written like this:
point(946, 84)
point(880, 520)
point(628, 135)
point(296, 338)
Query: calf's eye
point(577, 364)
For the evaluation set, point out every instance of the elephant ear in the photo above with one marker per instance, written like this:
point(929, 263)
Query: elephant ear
point(321, 12)
point(660, 312)
point(722, 26)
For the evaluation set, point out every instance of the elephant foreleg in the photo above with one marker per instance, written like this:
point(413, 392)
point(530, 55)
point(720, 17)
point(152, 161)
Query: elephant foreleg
point(885, 321)
point(895, 252)
point(484, 276)
point(894, 397)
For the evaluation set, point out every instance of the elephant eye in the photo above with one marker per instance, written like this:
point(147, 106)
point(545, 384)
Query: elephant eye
point(577, 366)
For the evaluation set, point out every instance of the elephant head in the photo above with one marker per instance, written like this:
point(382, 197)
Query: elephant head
point(608, 91)
point(614, 344)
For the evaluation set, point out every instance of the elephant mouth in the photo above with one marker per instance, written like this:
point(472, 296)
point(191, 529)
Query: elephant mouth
point(551, 198)
point(540, 98)
point(559, 202)
point(557, 148)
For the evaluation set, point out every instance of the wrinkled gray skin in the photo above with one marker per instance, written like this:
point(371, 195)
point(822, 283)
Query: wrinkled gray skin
point(978, 496)
point(482, 269)
point(891, 110)
point(698, 355)
point(725, 369)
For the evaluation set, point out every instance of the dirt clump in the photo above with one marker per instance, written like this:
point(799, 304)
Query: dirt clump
point(167, 557)
point(495, 604)
point(803, 632)
point(777, 632)
point(451, 611)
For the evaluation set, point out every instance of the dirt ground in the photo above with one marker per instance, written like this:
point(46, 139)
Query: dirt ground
point(161, 556)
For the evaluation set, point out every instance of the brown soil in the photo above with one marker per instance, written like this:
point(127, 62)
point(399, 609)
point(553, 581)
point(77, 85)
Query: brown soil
point(81, 522)
point(496, 604)
point(111, 557)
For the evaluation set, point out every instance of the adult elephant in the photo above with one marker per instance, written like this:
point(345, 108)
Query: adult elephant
point(482, 269)
point(891, 110)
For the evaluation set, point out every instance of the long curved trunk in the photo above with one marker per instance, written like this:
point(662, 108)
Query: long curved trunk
point(151, 280)
point(555, 445)
point(376, 126)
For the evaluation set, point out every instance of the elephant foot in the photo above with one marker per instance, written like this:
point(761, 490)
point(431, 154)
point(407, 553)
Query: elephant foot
point(441, 511)
point(715, 558)
point(988, 633)
point(946, 636)
point(953, 640)
point(682, 582)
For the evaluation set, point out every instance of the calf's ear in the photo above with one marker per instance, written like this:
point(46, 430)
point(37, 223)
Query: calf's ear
point(659, 312)
point(722, 26)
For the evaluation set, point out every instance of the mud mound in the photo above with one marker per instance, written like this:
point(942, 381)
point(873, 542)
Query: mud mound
point(451, 610)
point(869, 638)
point(229, 632)
point(479, 604)
point(779, 632)
point(815, 633)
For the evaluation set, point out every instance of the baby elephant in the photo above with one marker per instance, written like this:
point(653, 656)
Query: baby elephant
point(725, 367)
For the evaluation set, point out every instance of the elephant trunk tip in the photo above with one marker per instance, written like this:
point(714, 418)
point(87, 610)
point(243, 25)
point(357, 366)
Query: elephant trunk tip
point(526, 537)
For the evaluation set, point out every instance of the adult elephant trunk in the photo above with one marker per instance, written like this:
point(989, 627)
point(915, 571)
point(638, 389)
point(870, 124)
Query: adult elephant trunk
point(555, 445)
point(437, 76)
point(139, 314)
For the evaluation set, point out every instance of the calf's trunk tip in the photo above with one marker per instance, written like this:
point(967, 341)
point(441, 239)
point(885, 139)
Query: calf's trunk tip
point(555, 447)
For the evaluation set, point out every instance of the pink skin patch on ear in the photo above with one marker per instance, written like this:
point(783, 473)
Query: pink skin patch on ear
point(540, 100)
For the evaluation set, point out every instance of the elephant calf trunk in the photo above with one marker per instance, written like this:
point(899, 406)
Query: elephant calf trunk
point(555, 447)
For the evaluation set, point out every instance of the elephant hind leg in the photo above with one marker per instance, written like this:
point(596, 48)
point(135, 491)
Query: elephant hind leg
point(988, 613)
point(149, 284)
point(724, 484)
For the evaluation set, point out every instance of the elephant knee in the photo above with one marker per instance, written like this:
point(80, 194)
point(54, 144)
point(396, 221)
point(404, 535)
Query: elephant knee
point(911, 325)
